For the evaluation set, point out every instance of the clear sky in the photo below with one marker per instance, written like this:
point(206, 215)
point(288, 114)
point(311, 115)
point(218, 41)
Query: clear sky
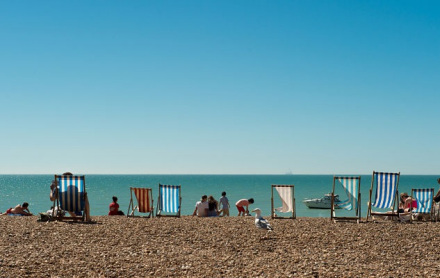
point(219, 87)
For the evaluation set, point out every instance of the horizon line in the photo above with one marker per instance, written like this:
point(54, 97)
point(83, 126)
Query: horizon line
point(230, 174)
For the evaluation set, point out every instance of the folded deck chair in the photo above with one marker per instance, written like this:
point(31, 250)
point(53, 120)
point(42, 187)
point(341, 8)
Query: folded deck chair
point(386, 194)
point(144, 197)
point(71, 197)
point(425, 201)
point(287, 196)
point(169, 200)
point(352, 188)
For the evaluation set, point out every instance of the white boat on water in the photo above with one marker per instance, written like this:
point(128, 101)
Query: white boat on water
point(322, 203)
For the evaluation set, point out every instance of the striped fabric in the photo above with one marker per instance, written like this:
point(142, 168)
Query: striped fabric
point(424, 200)
point(169, 198)
point(143, 196)
point(350, 185)
point(71, 193)
point(285, 194)
point(386, 185)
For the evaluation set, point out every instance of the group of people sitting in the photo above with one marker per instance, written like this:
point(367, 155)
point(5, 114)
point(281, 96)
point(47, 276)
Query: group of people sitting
point(210, 207)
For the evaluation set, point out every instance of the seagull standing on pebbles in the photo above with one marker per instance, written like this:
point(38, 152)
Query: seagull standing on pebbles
point(262, 223)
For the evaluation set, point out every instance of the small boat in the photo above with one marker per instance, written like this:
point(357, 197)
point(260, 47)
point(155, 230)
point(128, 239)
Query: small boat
point(322, 203)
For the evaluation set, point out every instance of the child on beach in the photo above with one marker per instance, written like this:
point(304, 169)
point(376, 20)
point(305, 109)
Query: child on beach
point(114, 207)
point(202, 206)
point(243, 203)
point(225, 205)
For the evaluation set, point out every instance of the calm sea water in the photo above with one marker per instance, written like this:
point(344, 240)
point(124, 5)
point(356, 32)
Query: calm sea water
point(34, 189)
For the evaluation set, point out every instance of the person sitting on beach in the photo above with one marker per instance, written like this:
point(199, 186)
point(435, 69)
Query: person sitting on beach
point(86, 204)
point(437, 196)
point(406, 203)
point(54, 196)
point(225, 205)
point(244, 203)
point(114, 207)
point(202, 206)
point(53, 191)
point(22, 210)
point(212, 206)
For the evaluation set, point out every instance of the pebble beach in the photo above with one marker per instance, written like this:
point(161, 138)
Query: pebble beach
point(217, 247)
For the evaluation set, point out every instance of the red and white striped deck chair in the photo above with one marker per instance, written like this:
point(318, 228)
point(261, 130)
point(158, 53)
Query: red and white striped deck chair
point(144, 197)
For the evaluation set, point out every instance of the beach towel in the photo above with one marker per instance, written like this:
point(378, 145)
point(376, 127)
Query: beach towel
point(285, 194)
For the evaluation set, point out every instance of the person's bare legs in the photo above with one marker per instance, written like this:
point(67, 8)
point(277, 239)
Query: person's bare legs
point(87, 209)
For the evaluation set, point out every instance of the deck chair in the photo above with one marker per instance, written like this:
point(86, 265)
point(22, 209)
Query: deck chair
point(71, 197)
point(169, 200)
point(287, 196)
point(387, 194)
point(144, 197)
point(425, 201)
point(352, 188)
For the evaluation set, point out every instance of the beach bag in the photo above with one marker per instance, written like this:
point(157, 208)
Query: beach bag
point(44, 217)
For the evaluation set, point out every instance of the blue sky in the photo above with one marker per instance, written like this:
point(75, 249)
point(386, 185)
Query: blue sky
point(219, 87)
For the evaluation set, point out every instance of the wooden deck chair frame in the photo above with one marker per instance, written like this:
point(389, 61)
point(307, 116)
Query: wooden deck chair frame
point(393, 214)
point(132, 208)
point(57, 202)
point(159, 204)
point(273, 215)
point(357, 210)
point(432, 211)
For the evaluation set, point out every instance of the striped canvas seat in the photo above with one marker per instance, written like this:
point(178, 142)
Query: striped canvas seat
point(386, 189)
point(71, 191)
point(424, 198)
point(351, 187)
point(169, 200)
point(386, 194)
point(287, 196)
point(71, 197)
point(144, 199)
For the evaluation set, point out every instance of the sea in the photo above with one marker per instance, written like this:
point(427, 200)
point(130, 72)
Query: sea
point(34, 189)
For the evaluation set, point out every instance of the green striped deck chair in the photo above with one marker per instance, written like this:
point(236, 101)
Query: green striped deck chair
point(425, 202)
point(169, 200)
point(386, 194)
point(352, 189)
point(71, 197)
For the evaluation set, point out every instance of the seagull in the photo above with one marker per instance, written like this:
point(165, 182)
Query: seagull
point(261, 223)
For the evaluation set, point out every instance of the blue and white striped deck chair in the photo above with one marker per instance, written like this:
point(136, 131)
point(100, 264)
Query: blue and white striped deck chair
point(425, 200)
point(169, 200)
point(71, 196)
point(386, 194)
point(351, 187)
